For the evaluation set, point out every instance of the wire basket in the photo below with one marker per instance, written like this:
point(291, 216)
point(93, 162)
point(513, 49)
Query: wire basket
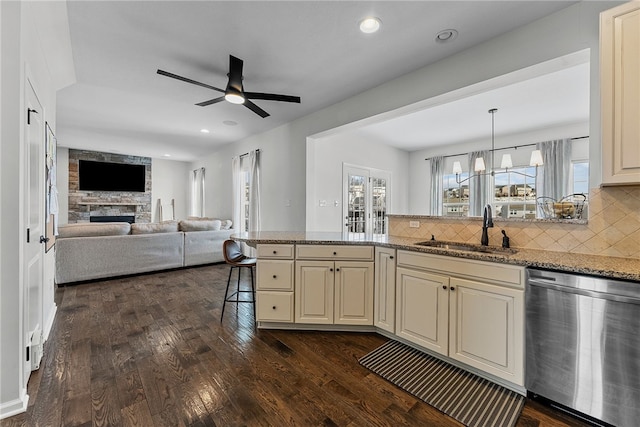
point(568, 207)
point(577, 202)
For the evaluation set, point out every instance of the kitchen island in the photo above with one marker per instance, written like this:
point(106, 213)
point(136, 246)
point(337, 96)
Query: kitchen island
point(611, 267)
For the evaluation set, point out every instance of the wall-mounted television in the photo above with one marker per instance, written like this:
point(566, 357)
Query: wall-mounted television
point(105, 176)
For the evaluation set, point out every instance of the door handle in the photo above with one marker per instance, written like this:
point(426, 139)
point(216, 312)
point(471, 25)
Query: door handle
point(44, 239)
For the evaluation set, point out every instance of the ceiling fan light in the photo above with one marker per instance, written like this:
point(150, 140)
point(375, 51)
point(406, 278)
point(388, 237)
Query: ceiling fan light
point(234, 98)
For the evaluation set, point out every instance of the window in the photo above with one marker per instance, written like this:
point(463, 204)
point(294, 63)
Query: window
point(580, 176)
point(455, 200)
point(514, 190)
point(515, 193)
point(245, 210)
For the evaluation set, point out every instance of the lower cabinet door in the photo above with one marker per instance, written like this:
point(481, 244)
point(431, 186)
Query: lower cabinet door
point(314, 292)
point(422, 308)
point(274, 306)
point(486, 328)
point(384, 309)
point(354, 293)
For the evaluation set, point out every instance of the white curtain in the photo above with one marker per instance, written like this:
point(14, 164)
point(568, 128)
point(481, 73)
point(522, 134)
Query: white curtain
point(197, 192)
point(554, 179)
point(480, 183)
point(254, 190)
point(437, 172)
point(236, 214)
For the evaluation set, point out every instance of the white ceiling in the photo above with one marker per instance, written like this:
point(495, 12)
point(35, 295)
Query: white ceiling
point(549, 101)
point(312, 49)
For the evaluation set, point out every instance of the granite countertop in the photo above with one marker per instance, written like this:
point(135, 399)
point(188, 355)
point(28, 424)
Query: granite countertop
point(612, 267)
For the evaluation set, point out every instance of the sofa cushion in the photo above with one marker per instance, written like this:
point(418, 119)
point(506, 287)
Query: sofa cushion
point(200, 225)
point(154, 227)
point(226, 224)
point(88, 229)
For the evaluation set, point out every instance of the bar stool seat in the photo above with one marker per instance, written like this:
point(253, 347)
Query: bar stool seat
point(236, 259)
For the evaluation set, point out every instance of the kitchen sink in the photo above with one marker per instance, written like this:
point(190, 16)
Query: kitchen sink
point(467, 247)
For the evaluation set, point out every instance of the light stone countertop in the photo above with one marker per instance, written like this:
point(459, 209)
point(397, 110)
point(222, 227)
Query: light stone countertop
point(611, 267)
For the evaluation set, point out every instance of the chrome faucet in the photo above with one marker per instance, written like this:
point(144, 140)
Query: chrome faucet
point(487, 221)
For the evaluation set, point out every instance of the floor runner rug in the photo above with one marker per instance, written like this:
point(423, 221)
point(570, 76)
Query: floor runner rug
point(468, 398)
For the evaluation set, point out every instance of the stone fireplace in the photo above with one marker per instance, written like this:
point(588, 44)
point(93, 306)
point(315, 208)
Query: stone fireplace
point(92, 206)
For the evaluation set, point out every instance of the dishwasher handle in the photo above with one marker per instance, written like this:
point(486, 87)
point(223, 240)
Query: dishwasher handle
point(584, 292)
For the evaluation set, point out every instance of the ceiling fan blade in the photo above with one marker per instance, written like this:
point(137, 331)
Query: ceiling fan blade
point(253, 107)
point(235, 73)
point(211, 101)
point(184, 79)
point(272, 97)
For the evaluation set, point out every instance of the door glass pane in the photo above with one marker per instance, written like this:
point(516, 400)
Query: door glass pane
point(356, 217)
point(379, 205)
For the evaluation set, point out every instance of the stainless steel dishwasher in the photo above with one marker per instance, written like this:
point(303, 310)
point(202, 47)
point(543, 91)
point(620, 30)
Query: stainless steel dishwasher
point(583, 344)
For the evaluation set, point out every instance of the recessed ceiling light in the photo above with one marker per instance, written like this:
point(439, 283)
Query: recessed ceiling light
point(370, 25)
point(230, 123)
point(204, 130)
point(445, 36)
point(167, 155)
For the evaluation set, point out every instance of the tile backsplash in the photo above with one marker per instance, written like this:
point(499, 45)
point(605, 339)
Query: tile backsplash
point(613, 227)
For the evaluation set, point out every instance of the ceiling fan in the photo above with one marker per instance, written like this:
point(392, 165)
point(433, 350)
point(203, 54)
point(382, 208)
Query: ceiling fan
point(235, 92)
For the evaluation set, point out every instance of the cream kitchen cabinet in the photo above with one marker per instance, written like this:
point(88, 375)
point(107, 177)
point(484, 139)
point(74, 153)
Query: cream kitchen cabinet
point(334, 292)
point(274, 283)
point(486, 324)
point(471, 311)
point(620, 93)
point(422, 308)
point(384, 309)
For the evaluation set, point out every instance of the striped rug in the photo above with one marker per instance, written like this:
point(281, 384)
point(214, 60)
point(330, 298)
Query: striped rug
point(471, 400)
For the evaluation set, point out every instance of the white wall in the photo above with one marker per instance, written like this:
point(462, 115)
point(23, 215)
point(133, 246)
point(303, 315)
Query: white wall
point(169, 180)
point(325, 158)
point(284, 148)
point(35, 45)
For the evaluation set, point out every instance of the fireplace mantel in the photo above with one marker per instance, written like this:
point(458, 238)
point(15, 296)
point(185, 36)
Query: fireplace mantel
point(110, 204)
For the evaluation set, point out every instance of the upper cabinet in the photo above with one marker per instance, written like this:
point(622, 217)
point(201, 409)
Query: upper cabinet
point(620, 94)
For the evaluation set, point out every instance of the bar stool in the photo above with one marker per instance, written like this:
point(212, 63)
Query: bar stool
point(236, 259)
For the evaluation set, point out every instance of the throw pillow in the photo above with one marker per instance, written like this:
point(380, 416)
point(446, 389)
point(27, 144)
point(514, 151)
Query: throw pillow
point(226, 224)
point(89, 229)
point(155, 227)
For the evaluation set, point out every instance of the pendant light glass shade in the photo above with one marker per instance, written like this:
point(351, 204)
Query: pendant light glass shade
point(506, 161)
point(479, 167)
point(536, 158)
point(457, 168)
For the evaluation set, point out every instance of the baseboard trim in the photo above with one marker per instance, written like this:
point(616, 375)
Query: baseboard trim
point(14, 407)
point(49, 324)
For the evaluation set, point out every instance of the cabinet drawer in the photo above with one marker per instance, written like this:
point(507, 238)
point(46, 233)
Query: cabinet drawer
point(275, 251)
point(275, 275)
point(334, 252)
point(492, 272)
point(274, 306)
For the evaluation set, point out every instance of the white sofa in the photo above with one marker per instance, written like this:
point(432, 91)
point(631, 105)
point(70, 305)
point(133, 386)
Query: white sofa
point(89, 251)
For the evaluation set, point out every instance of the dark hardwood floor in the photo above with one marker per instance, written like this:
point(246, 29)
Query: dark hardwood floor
point(151, 351)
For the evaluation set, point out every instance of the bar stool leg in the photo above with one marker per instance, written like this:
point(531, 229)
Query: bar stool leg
point(253, 296)
point(224, 302)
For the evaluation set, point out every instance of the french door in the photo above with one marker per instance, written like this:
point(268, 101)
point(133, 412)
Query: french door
point(365, 200)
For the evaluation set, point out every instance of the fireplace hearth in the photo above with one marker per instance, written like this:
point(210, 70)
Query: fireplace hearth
point(113, 218)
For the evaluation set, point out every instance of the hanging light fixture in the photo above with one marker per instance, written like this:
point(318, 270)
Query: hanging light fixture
point(536, 158)
point(506, 163)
